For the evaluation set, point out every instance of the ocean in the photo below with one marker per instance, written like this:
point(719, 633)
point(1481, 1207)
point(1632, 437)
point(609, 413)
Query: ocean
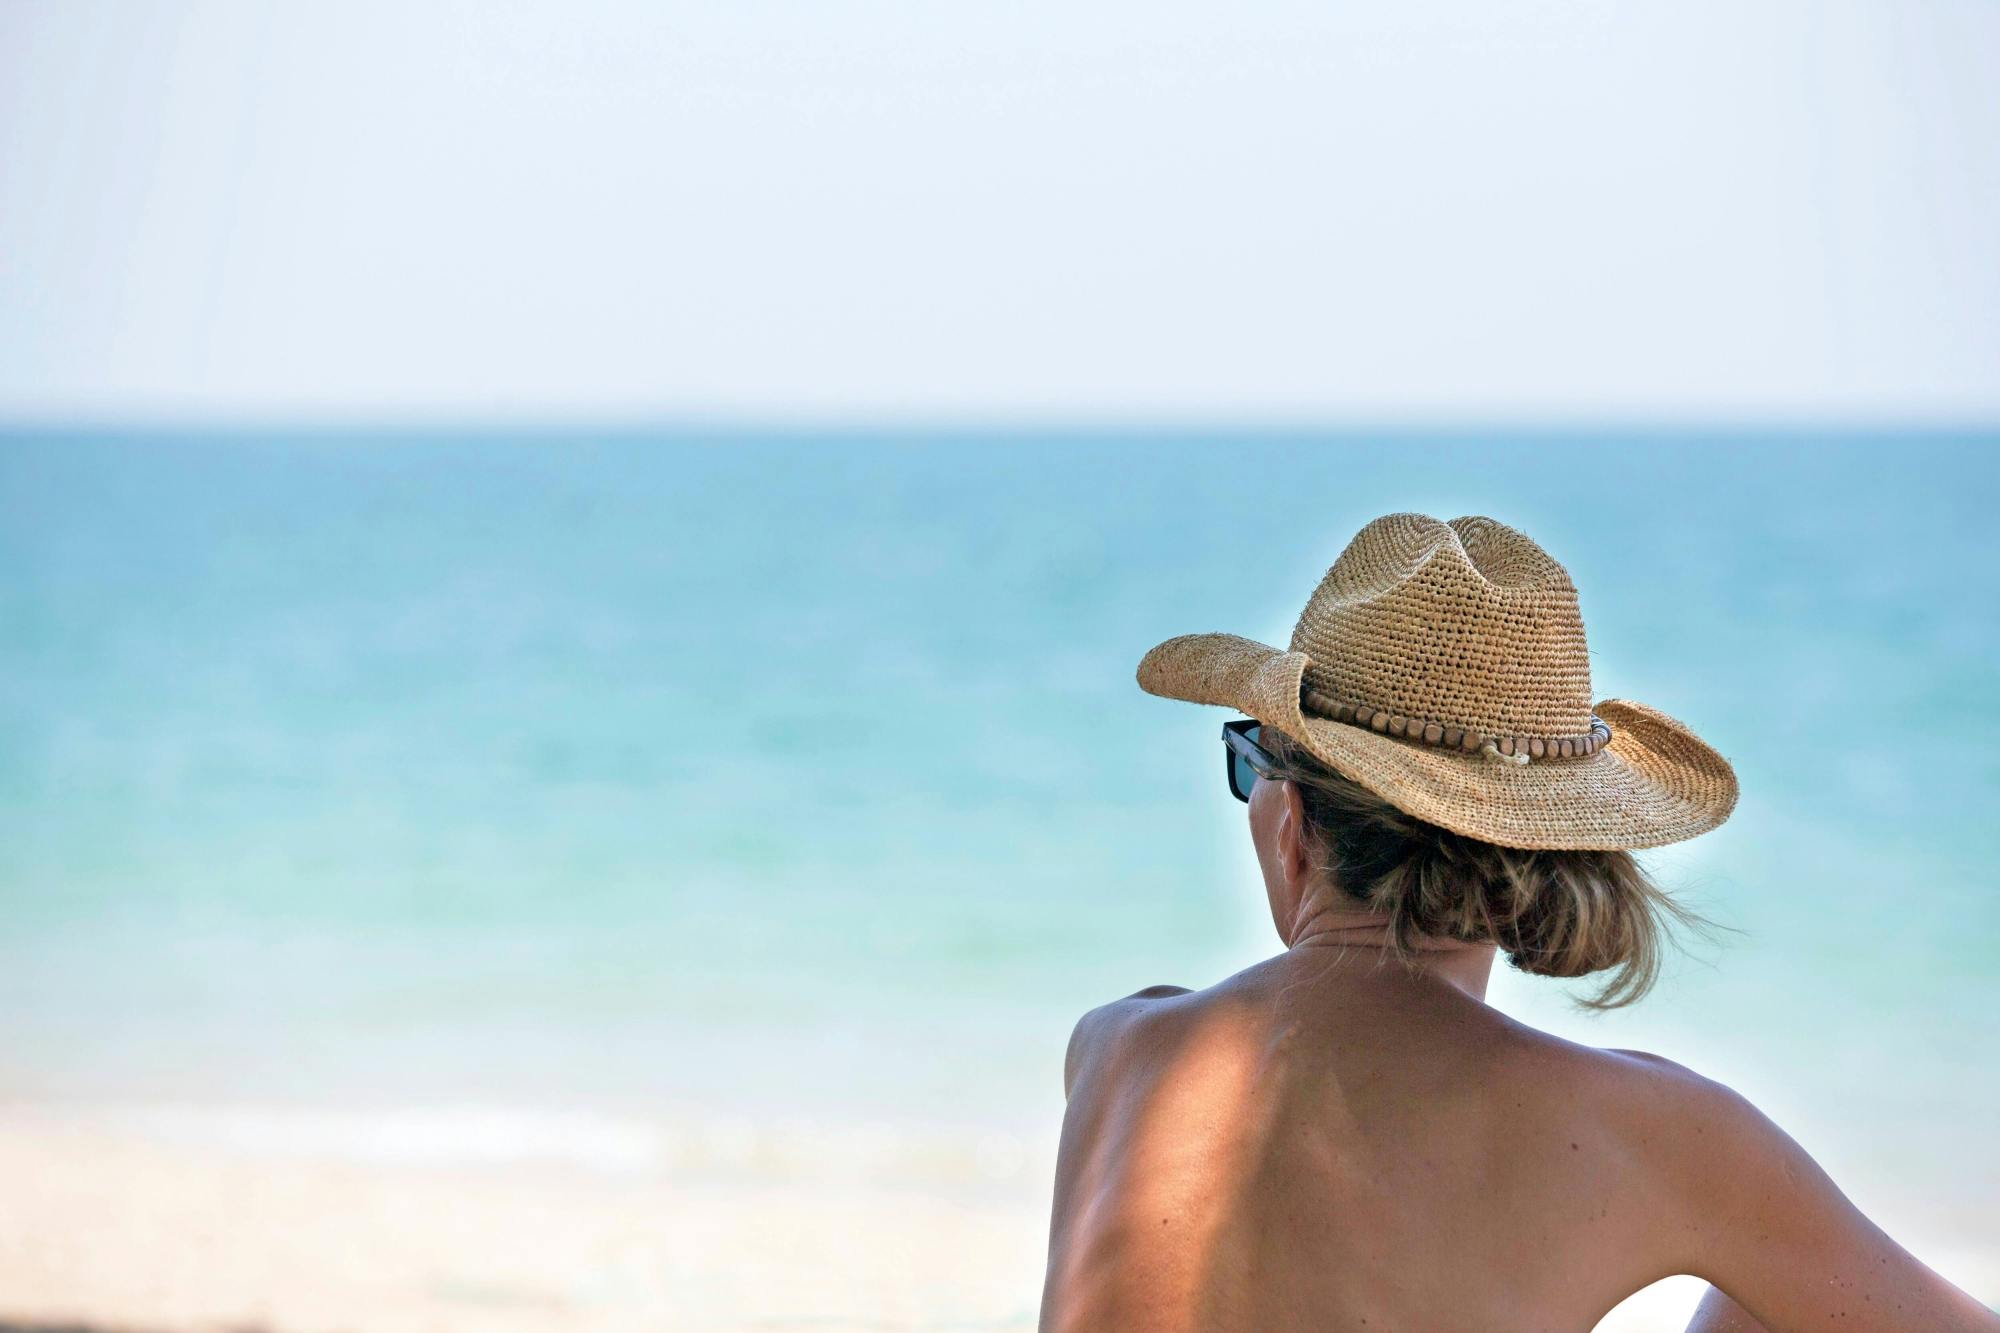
point(720, 801)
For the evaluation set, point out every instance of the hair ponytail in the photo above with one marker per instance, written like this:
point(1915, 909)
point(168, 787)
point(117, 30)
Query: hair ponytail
point(1553, 913)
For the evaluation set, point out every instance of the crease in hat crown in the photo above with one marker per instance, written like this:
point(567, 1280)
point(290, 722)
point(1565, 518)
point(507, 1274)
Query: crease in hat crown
point(1468, 623)
point(1463, 637)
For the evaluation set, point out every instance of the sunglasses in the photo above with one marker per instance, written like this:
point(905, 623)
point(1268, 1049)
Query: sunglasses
point(1243, 758)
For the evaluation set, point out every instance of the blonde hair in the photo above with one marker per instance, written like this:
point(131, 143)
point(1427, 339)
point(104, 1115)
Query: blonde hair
point(1553, 913)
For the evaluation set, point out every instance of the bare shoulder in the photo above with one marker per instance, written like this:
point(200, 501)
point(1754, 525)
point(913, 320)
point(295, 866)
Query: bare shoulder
point(1692, 1121)
point(1668, 1127)
point(1637, 1084)
point(1109, 1027)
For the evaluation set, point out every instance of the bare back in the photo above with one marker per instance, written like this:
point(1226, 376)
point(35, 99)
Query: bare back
point(1328, 1142)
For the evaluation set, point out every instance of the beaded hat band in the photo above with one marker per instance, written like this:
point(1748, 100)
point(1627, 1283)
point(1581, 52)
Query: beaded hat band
point(1430, 650)
point(1517, 749)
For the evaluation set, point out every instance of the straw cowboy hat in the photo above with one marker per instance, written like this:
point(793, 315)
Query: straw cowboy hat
point(1443, 667)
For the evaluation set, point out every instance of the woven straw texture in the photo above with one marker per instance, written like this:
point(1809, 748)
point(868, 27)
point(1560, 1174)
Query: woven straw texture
point(1472, 625)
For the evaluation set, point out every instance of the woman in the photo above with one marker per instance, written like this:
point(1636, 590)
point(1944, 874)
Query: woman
point(1346, 1136)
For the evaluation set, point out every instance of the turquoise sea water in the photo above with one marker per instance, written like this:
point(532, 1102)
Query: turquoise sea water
point(738, 771)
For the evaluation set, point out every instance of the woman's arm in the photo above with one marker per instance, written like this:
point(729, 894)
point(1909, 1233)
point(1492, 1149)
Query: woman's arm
point(1776, 1234)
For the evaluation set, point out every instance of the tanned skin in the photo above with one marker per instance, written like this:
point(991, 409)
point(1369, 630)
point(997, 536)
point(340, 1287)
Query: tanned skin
point(1331, 1140)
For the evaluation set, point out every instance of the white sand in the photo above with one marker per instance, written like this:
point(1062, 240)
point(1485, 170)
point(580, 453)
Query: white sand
point(437, 1222)
point(108, 1224)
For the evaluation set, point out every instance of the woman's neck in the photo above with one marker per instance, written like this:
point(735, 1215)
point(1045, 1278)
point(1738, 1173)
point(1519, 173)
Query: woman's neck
point(1326, 920)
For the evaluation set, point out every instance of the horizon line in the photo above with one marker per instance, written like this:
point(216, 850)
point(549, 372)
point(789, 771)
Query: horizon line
point(977, 424)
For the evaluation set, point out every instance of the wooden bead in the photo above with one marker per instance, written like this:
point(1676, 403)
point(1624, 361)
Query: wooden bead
point(1452, 736)
point(1396, 724)
point(1380, 721)
point(1344, 713)
point(1433, 733)
point(1506, 745)
point(1536, 749)
point(1470, 742)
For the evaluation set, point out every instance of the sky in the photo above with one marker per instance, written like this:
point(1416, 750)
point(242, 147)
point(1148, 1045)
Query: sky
point(848, 211)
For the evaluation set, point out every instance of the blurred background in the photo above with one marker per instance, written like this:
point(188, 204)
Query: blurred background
point(570, 578)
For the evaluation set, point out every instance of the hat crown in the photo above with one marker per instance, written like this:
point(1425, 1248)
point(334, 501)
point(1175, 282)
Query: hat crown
point(1468, 623)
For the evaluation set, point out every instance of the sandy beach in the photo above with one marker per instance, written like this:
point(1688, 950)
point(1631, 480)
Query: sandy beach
point(170, 1221)
point(108, 1224)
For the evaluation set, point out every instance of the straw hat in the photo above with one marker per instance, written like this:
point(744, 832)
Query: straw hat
point(1443, 667)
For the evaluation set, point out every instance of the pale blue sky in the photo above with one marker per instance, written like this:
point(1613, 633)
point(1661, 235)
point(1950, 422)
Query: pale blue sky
point(864, 210)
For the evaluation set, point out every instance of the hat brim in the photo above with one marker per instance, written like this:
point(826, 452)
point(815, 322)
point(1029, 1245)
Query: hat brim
point(1655, 783)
